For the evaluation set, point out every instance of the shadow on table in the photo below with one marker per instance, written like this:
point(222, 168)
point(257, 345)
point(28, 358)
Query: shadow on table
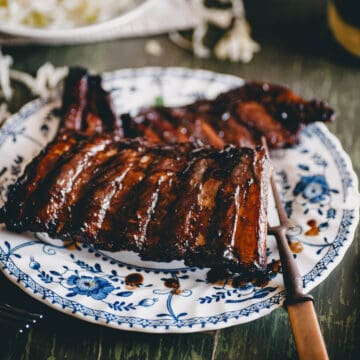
point(299, 29)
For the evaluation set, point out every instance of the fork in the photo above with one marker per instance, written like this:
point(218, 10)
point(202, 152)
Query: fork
point(19, 318)
point(305, 327)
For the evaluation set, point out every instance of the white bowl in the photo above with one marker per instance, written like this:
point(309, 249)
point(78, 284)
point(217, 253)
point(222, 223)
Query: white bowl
point(105, 30)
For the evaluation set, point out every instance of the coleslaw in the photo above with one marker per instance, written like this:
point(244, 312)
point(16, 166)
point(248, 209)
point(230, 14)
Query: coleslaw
point(60, 14)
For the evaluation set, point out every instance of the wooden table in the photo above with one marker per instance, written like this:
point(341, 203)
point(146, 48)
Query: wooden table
point(296, 51)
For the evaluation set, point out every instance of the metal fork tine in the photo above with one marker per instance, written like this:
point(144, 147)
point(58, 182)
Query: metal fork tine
point(284, 220)
point(304, 324)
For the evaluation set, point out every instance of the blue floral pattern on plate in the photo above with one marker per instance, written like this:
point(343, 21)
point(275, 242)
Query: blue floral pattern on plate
point(313, 188)
point(315, 179)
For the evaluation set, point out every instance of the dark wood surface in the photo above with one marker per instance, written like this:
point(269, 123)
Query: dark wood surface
point(297, 51)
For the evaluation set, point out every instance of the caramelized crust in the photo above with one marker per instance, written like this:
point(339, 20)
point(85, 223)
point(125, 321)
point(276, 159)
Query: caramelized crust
point(197, 199)
point(240, 215)
point(21, 193)
point(86, 107)
point(107, 235)
point(163, 202)
point(53, 202)
point(74, 100)
point(99, 115)
point(184, 217)
point(104, 194)
point(239, 117)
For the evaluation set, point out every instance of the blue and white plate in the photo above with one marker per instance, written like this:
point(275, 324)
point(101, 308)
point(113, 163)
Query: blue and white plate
point(316, 181)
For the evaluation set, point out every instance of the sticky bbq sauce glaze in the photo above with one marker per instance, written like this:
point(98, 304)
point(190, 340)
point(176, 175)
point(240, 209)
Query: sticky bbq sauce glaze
point(223, 276)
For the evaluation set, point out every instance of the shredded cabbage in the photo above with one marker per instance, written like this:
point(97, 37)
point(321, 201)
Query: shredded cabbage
point(235, 43)
point(43, 84)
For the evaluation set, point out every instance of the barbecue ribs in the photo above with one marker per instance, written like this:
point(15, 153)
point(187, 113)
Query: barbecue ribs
point(201, 205)
point(185, 190)
point(86, 106)
point(240, 117)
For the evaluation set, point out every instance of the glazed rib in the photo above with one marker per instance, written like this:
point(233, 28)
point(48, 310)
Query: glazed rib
point(197, 199)
point(140, 210)
point(240, 212)
point(86, 107)
point(103, 203)
point(20, 194)
point(239, 117)
point(187, 211)
point(159, 201)
point(99, 115)
point(52, 207)
point(74, 100)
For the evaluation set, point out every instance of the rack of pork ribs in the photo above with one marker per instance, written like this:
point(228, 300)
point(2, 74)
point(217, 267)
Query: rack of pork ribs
point(170, 183)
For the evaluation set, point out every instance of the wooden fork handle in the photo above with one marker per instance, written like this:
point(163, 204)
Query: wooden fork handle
point(306, 331)
point(305, 327)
